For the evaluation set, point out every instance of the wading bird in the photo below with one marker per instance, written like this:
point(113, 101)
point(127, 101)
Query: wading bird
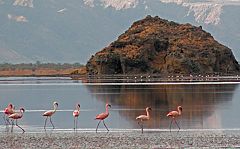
point(75, 115)
point(174, 115)
point(142, 118)
point(49, 114)
point(8, 111)
point(16, 116)
point(102, 116)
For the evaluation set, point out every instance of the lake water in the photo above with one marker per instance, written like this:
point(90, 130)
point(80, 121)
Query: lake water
point(205, 105)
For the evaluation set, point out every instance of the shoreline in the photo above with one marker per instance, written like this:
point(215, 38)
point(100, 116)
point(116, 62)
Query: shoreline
point(102, 80)
point(131, 139)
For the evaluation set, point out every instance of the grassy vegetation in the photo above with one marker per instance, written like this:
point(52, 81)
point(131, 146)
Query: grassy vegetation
point(38, 65)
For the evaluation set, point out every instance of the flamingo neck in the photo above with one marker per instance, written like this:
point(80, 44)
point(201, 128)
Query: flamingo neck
point(78, 108)
point(21, 113)
point(54, 108)
point(148, 115)
point(179, 112)
point(107, 109)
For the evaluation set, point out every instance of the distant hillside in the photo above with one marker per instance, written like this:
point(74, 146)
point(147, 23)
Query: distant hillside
point(11, 56)
point(155, 45)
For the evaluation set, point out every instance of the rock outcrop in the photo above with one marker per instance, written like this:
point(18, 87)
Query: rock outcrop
point(155, 45)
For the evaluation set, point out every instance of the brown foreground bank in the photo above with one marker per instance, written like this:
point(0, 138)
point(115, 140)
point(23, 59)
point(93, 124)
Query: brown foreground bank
point(133, 139)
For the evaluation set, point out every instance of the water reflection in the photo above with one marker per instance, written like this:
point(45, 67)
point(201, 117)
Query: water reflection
point(202, 104)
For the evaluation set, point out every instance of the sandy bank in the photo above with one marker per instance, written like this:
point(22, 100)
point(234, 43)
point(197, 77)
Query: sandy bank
point(131, 139)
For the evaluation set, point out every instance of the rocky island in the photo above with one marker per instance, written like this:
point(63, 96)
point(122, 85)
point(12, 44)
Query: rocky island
point(157, 46)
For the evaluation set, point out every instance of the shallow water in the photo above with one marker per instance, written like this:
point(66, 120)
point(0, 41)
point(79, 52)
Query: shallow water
point(205, 105)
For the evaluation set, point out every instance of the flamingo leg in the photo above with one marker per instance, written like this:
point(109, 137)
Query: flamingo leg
point(74, 123)
point(141, 126)
point(45, 123)
point(105, 125)
point(12, 126)
point(20, 127)
point(98, 125)
point(177, 124)
point(51, 122)
point(6, 121)
point(171, 125)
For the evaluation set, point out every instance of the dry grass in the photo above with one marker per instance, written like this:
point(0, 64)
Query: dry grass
point(41, 72)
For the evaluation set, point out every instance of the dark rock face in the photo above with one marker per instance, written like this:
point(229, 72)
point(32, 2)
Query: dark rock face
point(155, 45)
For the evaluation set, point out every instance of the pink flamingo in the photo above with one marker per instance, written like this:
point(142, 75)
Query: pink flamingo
point(102, 116)
point(75, 115)
point(8, 111)
point(173, 115)
point(142, 118)
point(16, 116)
point(49, 114)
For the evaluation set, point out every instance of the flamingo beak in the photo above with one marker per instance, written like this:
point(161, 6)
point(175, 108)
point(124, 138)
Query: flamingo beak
point(79, 105)
point(109, 105)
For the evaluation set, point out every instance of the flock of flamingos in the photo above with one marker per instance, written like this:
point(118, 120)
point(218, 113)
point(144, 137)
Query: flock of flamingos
point(10, 115)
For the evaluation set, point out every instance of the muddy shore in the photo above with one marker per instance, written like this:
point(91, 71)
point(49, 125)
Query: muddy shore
point(129, 139)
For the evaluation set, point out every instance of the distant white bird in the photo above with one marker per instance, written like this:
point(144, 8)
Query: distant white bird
point(62, 10)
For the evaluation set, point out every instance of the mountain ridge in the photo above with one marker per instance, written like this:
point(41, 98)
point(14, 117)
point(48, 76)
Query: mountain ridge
point(207, 12)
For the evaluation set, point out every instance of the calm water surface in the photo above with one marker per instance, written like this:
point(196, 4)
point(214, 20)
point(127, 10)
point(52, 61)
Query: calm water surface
point(205, 106)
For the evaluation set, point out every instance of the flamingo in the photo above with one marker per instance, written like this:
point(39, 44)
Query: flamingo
point(75, 115)
point(49, 114)
point(173, 115)
point(8, 111)
point(144, 117)
point(16, 116)
point(102, 116)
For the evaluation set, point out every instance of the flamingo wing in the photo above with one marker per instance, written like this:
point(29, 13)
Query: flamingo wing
point(76, 113)
point(172, 114)
point(142, 117)
point(48, 113)
point(15, 116)
point(102, 116)
point(8, 111)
